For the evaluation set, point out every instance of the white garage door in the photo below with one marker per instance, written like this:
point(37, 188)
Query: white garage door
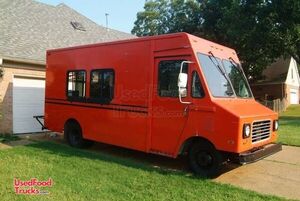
point(28, 101)
point(294, 97)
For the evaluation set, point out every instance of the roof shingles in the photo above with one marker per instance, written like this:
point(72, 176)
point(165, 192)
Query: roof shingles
point(28, 28)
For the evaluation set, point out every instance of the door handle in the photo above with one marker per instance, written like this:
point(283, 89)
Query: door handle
point(186, 110)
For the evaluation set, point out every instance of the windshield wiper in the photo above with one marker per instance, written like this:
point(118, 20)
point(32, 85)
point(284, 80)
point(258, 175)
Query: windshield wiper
point(223, 72)
point(238, 66)
point(234, 63)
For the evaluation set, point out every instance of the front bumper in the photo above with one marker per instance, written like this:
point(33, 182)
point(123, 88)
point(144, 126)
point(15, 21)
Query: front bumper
point(257, 153)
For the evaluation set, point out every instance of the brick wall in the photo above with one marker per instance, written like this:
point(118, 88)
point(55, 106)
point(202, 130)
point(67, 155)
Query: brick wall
point(6, 86)
point(269, 91)
point(273, 91)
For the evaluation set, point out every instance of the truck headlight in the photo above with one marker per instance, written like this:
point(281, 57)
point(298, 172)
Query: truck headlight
point(246, 131)
point(275, 125)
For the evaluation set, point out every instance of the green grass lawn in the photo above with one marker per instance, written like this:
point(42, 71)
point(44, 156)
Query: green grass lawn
point(289, 126)
point(86, 175)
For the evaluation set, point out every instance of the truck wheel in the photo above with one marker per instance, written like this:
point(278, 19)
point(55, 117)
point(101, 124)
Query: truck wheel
point(204, 159)
point(73, 135)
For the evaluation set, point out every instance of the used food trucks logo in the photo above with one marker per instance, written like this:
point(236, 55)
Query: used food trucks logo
point(32, 186)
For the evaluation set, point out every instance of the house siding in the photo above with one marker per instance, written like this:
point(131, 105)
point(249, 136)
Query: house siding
point(280, 78)
point(293, 75)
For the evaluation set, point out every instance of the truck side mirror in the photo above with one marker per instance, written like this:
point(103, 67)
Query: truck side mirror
point(182, 92)
point(182, 83)
point(182, 80)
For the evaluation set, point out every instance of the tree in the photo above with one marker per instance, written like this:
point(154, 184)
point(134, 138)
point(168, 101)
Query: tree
point(165, 16)
point(152, 20)
point(259, 30)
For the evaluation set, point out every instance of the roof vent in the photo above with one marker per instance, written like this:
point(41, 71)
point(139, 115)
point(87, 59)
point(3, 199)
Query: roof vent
point(78, 26)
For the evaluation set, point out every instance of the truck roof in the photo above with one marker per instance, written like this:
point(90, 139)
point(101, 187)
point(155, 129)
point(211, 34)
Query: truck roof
point(193, 40)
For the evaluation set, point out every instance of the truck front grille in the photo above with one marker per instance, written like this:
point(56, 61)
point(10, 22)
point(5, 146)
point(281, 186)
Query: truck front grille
point(261, 130)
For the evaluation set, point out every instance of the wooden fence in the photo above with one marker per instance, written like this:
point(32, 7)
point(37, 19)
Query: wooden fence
point(277, 105)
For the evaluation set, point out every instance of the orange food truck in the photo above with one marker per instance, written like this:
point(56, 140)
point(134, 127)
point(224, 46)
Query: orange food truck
point(169, 95)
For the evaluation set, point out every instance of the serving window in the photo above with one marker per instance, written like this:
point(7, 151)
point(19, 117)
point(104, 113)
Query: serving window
point(102, 85)
point(76, 84)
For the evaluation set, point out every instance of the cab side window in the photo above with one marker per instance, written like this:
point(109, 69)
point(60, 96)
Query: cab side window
point(76, 84)
point(102, 85)
point(197, 89)
point(168, 72)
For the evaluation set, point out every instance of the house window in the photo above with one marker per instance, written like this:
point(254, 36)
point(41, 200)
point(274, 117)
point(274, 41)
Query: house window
point(76, 84)
point(168, 72)
point(102, 85)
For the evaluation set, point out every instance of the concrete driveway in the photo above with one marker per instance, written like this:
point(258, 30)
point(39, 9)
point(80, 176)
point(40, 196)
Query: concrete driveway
point(278, 174)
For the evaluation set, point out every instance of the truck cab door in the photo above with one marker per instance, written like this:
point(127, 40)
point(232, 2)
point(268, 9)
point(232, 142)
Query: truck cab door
point(169, 116)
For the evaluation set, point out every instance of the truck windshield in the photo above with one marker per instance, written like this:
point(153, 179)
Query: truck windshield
point(217, 82)
point(237, 79)
point(221, 85)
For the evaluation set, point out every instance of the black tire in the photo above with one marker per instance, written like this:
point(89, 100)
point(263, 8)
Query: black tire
point(73, 135)
point(204, 160)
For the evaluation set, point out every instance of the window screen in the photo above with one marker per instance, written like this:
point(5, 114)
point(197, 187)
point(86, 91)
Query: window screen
point(168, 72)
point(102, 84)
point(76, 84)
